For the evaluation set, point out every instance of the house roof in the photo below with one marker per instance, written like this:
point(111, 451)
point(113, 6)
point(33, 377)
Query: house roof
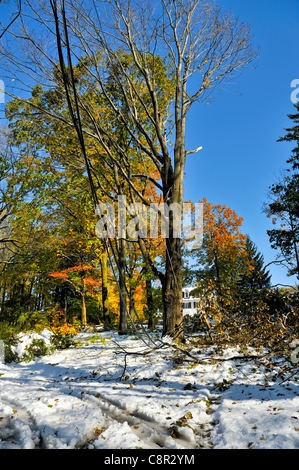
point(189, 289)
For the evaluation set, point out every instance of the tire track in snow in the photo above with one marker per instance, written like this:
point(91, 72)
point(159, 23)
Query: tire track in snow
point(29, 424)
point(152, 433)
point(22, 430)
point(19, 430)
point(43, 429)
point(149, 431)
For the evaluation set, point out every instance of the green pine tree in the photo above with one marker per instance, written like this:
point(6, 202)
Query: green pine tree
point(255, 282)
point(284, 205)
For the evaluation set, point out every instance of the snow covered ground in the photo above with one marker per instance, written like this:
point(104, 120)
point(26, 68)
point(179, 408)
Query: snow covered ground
point(92, 397)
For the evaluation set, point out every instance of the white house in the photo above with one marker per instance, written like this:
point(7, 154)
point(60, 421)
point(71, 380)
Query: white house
point(190, 303)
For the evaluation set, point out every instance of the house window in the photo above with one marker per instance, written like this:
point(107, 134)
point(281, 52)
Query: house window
point(186, 294)
point(187, 305)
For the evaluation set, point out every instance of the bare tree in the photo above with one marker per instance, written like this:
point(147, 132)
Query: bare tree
point(9, 241)
point(202, 47)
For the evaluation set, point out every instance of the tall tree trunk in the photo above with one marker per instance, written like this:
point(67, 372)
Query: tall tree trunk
point(150, 303)
point(172, 285)
point(3, 298)
point(38, 301)
point(65, 307)
point(105, 300)
point(31, 304)
point(41, 302)
point(132, 301)
point(172, 292)
point(218, 279)
point(122, 330)
point(220, 296)
point(295, 246)
point(83, 318)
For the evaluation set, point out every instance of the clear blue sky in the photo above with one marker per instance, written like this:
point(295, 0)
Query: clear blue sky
point(240, 158)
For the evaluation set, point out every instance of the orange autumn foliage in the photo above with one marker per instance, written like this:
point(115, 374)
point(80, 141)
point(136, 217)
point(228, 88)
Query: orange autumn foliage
point(222, 256)
point(59, 327)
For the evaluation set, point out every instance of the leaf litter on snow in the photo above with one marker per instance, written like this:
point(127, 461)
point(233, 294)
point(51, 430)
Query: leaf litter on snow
point(107, 393)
